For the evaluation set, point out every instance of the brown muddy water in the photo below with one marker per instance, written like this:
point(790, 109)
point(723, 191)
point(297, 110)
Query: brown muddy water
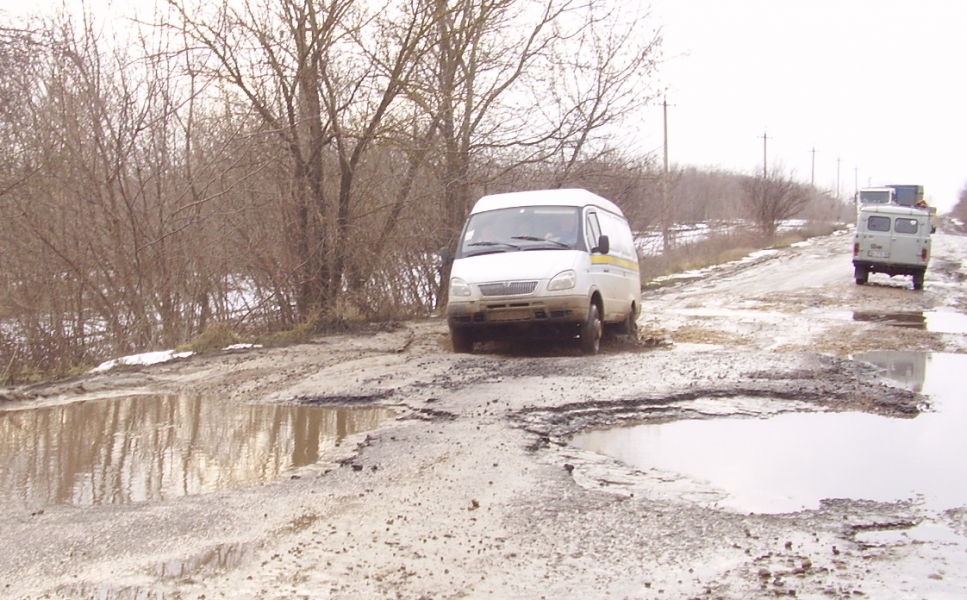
point(789, 462)
point(134, 449)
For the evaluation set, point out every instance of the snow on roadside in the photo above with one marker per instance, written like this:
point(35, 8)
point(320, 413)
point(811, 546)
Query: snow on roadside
point(153, 358)
point(147, 358)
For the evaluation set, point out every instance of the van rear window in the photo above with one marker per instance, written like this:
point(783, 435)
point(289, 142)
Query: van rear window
point(905, 225)
point(877, 223)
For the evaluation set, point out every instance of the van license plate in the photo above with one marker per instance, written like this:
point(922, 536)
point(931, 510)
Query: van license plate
point(874, 254)
point(509, 315)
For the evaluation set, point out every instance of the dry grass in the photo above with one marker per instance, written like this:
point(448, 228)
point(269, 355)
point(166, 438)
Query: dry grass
point(716, 249)
point(720, 248)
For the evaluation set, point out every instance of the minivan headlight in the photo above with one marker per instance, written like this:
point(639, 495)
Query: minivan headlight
point(564, 280)
point(459, 288)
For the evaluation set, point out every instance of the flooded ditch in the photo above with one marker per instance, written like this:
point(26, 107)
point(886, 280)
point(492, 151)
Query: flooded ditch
point(791, 461)
point(142, 448)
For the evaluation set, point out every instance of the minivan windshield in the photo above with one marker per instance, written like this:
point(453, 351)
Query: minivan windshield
point(521, 228)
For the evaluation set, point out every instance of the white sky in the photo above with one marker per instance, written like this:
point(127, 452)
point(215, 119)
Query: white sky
point(877, 87)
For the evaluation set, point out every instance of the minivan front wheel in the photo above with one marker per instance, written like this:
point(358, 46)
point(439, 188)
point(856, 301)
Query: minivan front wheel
point(591, 331)
point(462, 340)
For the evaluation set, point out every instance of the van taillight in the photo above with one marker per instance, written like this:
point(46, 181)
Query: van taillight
point(856, 249)
point(923, 255)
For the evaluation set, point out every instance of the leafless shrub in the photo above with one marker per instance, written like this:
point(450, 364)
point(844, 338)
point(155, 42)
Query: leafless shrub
point(774, 198)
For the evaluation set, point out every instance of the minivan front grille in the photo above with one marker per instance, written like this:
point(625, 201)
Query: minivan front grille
point(508, 288)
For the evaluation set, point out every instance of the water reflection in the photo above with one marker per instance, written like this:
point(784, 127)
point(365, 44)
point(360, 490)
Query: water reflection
point(907, 368)
point(934, 321)
point(913, 320)
point(160, 447)
point(792, 461)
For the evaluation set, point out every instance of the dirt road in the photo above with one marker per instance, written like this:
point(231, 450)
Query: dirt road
point(472, 489)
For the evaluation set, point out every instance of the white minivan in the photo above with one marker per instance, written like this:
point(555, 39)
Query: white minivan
point(894, 240)
point(543, 264)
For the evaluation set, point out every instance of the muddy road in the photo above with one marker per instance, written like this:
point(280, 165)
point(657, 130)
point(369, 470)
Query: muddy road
point(468, 485)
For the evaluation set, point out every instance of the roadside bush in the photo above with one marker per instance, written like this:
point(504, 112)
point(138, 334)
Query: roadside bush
point(216, 337)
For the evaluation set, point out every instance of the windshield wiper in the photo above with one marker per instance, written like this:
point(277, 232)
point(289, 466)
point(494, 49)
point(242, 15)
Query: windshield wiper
point(493, 244)
point(489, 248)
point(531, 238)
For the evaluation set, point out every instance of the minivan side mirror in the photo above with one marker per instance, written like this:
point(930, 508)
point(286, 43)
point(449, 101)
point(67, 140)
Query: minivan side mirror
point(446, 256)
point(604, 245)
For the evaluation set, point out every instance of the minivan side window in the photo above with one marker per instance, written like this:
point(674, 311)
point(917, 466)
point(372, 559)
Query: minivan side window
point(905, 225)
point(876, 223)
point(593, 228)
point(621, 243)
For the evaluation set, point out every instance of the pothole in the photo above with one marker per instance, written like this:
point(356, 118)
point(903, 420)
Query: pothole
point(789, 462)
point(145, 448)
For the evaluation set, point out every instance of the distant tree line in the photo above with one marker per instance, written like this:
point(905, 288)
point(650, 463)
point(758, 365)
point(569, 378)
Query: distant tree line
point(276, 163)
point(959, 210)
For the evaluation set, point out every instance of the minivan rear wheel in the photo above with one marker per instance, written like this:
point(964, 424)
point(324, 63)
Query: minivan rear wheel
point(591, 331)
point(630, 325)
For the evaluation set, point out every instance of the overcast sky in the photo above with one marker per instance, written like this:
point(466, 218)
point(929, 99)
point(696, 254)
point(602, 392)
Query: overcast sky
point(848, 92)
point(877, 88)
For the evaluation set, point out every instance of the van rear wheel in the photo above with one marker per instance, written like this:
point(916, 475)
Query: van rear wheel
point(918, 281)
point(862, 275)
point(629, 326)
point(591, 331)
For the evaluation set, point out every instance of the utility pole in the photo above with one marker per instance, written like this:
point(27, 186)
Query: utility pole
point(664, 106)
point(812, 177)
point(838, 161)
point(665, 233)
point(765, 169)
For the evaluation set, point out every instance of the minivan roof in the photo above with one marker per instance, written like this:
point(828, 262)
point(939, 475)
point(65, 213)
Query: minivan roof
point(561, 197)
point(894, 209)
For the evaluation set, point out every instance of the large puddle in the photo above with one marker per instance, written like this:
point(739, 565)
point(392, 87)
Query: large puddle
point(935, 320)
point(790, 462)
point(159, 447)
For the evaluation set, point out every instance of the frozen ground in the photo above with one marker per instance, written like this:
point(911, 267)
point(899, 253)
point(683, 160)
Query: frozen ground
point(473, 489)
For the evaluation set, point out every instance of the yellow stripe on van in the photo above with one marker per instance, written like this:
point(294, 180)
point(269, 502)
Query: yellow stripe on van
point(605, 259)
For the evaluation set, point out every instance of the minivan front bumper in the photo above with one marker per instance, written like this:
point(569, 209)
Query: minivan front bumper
point(493, 312)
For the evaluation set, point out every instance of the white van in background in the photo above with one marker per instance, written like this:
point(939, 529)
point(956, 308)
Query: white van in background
point(892, 239)
point(543, 264)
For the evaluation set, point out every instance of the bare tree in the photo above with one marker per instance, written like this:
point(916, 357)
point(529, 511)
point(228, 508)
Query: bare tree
point(322, 77)
point(517, 83)
point(774, 198)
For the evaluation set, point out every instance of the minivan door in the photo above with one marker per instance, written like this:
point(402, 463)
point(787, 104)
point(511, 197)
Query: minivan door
point(875, 239)
point(607, 276)
point(907, 240)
